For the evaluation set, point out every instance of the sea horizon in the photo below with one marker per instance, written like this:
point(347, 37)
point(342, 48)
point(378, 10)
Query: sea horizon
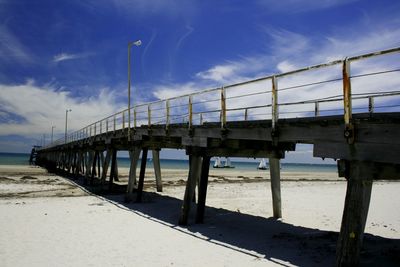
point(22, 159)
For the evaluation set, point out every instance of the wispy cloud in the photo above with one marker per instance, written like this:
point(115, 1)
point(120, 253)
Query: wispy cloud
point(11, 49)
point(296, 6)
point(65, 56)
point(132, 8)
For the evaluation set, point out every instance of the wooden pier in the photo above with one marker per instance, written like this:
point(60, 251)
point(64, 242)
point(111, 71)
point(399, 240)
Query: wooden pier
point(365, 144)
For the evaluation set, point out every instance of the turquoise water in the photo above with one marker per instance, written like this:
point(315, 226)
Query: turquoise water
point(14, 159)
point(23, 159)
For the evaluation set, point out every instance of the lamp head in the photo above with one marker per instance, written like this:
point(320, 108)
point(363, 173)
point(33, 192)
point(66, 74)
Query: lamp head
point(138, 42)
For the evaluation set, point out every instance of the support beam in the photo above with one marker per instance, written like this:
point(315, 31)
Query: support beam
point(205, 167)
point(157, 169)
point(78, 163)
point(132, 183)
point(355, 213)
point(99, 163)
point(112, 174)
point(116, 176)
point(141, 176)
point(275, 173)
point(194, 174)
point(106, 163)
point(96, 154)
point(88, 165)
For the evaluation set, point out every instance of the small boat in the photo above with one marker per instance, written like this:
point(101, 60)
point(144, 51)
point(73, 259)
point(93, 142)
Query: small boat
point(218, 163)
point(228, 163)
point(262, 165)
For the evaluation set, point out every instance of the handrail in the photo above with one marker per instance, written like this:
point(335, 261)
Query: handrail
point(187, 109)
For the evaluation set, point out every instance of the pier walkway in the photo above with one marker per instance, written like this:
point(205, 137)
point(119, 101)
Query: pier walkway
point(350, 116)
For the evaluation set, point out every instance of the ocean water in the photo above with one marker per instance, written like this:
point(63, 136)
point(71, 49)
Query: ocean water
point(23, 159)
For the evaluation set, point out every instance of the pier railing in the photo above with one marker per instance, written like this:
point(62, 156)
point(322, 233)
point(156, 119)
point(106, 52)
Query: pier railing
point(372, 84)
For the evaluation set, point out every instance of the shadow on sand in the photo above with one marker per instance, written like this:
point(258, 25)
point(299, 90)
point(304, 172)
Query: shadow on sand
point(260, 237)
point(280, 242)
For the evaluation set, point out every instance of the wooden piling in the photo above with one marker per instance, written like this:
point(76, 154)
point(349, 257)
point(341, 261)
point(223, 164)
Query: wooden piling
point(358, 195)
point(96, 155)
point(99, 163)
point(88, 165)
point(275, 173)
point(116, 175)
point(205, 167)
point(134, 155)
point(141, 175)
point(106, 163)
point(195, 168)
point(157, 169)
point(112, 173)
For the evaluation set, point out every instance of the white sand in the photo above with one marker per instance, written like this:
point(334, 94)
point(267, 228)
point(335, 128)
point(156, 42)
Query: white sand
point(49, 221)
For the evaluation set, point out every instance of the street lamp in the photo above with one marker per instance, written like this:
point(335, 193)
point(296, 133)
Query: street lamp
point(52, 130)
point(130, 44)
point(66, 122)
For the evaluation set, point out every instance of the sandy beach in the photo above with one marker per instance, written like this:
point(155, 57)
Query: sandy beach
point(49, 220)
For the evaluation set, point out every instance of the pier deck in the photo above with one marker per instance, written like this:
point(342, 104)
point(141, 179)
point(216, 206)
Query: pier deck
point(227, 122)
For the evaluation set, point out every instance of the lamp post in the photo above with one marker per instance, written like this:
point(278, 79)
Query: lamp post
point(66, 122)
point(52, 131)
point(130, 44)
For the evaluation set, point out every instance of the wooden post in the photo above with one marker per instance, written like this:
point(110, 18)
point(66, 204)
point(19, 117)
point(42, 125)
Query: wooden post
point(78, 163)
point(141, 175)
point(116, 176)
point(190, 108)
point(194, 174)
point(205, 167)
point(83, 155)
point(106, 163)
point(99, 163)
point(157, 169)
point(113, 161)
point(275, 173)
point(88, 165)
point(74, 162)
point(358, 195)
point(96, 154)
point(134, 158)
point(223, 108)
point(69, 161)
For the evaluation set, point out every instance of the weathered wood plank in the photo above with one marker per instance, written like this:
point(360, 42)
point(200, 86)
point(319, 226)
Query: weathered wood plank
point(373, 152)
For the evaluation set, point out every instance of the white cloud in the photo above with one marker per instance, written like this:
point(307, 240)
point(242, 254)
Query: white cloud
point(286, 66)
point(172, 90)
point(219, 73)
point(42, 107)
point(65, 56)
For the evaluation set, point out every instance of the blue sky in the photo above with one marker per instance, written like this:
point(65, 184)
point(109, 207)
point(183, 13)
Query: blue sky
point(57, 54)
